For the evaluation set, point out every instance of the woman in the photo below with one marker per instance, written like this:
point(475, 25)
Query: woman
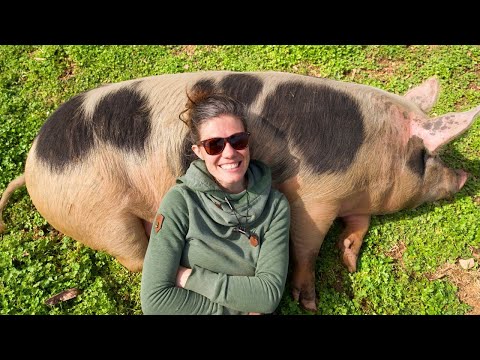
point(219, 244)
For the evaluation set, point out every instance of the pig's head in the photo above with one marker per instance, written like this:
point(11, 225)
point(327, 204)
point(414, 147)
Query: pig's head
point(429, 179)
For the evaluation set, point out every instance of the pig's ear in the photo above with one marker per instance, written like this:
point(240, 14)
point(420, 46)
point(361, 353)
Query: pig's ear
point(425, 95)
point(438, 131)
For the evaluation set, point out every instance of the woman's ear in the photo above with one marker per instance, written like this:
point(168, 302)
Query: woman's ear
point(196, 149)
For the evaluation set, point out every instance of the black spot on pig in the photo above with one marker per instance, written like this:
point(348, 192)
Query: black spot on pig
point(204, 85)
point(122, 119)
point(417, 155)
point(242, 87)
point(325, 125)
point(416, 162)
point(270, 144)
point(66, 136)
point(437, 124)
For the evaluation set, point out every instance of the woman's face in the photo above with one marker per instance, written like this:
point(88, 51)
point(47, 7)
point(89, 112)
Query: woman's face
point(229, 166)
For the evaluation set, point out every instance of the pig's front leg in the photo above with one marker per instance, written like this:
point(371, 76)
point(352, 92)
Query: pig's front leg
point(351, 239)
point(310, 223)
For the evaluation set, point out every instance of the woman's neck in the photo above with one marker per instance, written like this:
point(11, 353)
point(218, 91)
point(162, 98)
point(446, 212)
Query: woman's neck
point(234, 188)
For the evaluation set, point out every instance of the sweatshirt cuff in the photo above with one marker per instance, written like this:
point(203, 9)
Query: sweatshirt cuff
point(205, 282)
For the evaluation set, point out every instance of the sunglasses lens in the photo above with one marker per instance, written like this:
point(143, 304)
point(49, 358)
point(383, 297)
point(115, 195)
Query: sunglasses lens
point(214, 146)
point(239, 141)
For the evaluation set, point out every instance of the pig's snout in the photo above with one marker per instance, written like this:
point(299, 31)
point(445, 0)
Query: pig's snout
point(461, 178)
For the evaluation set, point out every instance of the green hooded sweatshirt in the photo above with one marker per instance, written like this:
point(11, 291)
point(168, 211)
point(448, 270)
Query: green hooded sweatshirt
point(194, 228)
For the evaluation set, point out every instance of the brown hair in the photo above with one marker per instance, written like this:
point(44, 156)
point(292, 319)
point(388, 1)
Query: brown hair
point(203, 105)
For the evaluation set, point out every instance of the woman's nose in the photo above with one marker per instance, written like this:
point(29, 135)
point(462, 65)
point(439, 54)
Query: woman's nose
point(228, 150)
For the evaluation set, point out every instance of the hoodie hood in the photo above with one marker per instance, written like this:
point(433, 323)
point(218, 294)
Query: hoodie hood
point(198, 179)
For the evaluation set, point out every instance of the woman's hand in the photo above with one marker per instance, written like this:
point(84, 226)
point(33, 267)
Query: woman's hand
point(182, 276)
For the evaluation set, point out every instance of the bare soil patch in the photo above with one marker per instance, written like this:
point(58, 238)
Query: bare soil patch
point(467, 281)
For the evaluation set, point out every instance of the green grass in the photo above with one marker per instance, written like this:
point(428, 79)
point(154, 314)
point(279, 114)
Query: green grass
point(37, 262)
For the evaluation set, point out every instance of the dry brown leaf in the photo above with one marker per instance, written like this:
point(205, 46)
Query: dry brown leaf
point(63, 296)
point(436, 276)
point(467, 264)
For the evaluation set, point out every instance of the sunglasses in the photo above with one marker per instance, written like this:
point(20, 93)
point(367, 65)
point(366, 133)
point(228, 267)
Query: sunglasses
point(215, 146)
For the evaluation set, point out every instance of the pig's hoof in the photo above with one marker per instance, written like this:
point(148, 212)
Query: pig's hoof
point(350, 260)
point(309, 305)
point(296, 294)
point(307, 302)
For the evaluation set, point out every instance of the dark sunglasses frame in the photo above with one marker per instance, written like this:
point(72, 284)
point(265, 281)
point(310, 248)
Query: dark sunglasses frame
point(215, 146)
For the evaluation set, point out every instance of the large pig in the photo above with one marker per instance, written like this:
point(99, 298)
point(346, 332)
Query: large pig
point(102, 162)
